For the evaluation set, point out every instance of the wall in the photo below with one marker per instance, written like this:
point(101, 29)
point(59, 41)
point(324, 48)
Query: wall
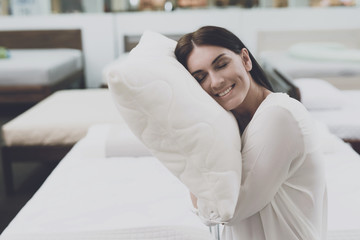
point(244, 22)
point(295, 19)
point(103, 33)
point(177, 22)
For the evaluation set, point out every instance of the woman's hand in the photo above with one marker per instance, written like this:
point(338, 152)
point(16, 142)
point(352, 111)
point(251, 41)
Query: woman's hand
point(193, 200)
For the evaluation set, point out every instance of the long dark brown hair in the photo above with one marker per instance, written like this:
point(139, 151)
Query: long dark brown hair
point(217, 36)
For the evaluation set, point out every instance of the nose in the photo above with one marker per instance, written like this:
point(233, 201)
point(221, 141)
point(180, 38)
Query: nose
point(216, 82)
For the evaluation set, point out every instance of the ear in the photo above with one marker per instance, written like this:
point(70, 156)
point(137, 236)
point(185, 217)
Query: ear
point(246, 59)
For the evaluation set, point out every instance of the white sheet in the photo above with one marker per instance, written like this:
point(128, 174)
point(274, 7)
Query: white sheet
point(343, 185)
point(89, 196)
point(39, 66)
point(344, 122)
point(303, 68)
point(62, 118)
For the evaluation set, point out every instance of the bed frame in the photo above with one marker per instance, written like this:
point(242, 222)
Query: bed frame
point(22, 94)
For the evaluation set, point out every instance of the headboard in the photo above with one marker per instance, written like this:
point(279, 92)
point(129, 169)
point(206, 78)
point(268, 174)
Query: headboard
point(130, 41)
point(282, 40)
point(66, 38)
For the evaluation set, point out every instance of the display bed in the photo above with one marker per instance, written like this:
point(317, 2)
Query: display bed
point(91, 196)
point(96, 193)
point(332, 55)
point(40, 62)
point(338, 109)
point(47, 131)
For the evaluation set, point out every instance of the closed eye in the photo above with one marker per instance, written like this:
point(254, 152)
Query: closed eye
point(221, 64)
point(200, 76)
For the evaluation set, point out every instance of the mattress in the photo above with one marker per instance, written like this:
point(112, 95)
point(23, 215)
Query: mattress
point(89, 196)
point(343, 187)
point(343, 122)
point(39, 66)
point(61, 119)
point(343, 183)
point(302, 68)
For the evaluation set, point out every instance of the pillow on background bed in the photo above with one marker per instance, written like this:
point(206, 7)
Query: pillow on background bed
point(317, 94)
point(324, 51)
point(192, 136)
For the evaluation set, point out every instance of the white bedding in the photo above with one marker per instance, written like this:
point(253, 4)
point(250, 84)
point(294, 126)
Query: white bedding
point(39, 66)
point(89, 196)
point(302, 68)
point(343, 122)
point(62, 118)
point(338, 109)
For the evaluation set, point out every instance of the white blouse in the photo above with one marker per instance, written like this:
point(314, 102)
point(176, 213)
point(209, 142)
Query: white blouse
point(283, 190)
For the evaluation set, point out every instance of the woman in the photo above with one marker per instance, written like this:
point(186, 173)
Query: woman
point(283, 190)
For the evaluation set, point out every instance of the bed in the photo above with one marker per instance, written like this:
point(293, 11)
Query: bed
point(98, 191)
point(332, 55)
point(338, 109)
point(40, 62)
point(48, 130)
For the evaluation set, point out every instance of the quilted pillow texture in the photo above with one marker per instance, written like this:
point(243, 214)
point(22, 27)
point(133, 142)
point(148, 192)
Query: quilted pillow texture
point(192, 136)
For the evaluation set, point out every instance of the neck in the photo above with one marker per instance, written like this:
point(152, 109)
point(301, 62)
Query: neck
point(244, 112)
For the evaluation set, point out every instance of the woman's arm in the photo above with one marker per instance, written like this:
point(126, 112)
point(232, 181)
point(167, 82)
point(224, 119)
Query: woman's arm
point(273, 143)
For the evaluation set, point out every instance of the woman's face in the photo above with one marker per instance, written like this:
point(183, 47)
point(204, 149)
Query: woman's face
point(223, 74)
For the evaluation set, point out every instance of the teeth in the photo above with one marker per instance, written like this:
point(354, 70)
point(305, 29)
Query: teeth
point(225, 92)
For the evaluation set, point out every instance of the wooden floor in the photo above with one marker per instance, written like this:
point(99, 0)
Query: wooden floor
point(28, 177)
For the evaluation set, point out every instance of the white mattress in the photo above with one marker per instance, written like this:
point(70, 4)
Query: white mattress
point(89, 196)
point(62, 118)
point(302, 68)
point(39, 66)
point(343, 122)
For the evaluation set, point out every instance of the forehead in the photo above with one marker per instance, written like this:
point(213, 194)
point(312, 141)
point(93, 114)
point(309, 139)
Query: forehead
point(202, 56)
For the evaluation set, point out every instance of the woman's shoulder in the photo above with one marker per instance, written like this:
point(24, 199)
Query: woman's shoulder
point(284, 104)
point(279, 111)
point(286, 115)
point(280, 115)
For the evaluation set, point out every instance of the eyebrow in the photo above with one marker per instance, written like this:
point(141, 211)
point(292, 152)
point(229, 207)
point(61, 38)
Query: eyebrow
point(217, 58)
point(212, 63)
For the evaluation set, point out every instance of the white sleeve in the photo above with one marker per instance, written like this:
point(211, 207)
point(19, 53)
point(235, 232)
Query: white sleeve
point(272, 143)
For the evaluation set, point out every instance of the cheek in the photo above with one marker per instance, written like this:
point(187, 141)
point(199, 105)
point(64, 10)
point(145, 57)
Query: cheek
point(205, 85)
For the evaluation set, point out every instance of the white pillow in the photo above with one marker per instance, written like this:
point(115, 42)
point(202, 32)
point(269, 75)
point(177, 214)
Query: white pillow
point(324, 51)
point(317, 94)
point(192, 136)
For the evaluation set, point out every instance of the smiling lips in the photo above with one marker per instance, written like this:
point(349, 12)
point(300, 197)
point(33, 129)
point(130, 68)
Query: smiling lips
point(226, 91)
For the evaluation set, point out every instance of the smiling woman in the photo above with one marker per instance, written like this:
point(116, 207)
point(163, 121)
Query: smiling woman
point(283, 190)
point(213, 55)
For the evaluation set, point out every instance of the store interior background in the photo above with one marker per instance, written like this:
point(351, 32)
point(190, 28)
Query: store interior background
point(104, 24)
